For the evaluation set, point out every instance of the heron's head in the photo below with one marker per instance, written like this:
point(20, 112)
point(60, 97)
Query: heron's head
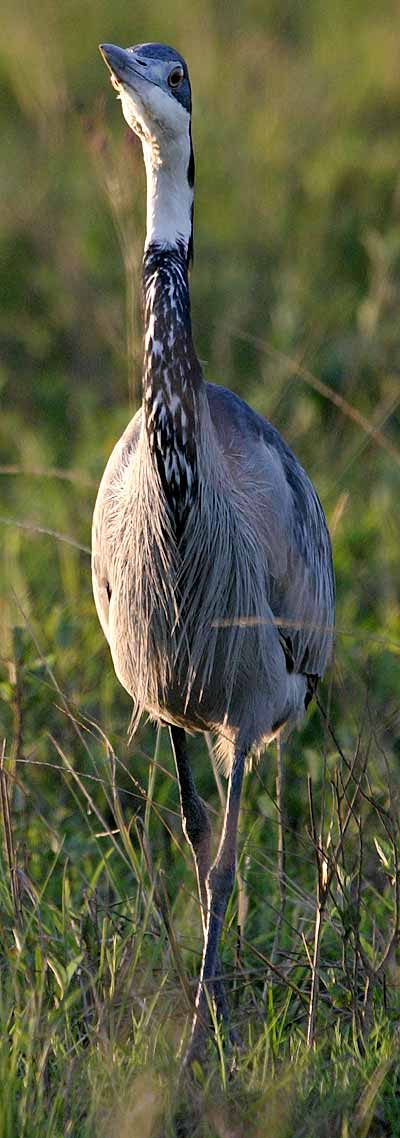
point(153, 84)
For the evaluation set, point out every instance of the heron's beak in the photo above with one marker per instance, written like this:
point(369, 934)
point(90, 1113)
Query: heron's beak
point(119, 63)
point(125, 68)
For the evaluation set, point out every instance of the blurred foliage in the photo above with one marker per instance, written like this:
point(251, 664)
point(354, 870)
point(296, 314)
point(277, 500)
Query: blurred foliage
point(295, 296)
point(296, 283)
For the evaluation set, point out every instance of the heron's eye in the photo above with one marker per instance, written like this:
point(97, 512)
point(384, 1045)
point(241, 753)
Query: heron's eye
point(175, 77)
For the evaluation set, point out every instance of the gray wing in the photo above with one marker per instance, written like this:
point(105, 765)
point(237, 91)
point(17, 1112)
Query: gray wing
point(102, 559)
point(291, 525)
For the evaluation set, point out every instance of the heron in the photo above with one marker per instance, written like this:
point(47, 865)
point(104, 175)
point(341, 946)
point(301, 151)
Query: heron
point(212, 563)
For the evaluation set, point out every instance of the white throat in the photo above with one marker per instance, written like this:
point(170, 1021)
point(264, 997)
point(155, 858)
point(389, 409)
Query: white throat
point(169, 195)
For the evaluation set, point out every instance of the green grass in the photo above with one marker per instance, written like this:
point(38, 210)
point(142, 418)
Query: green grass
point(101, 945)
point(296, 293)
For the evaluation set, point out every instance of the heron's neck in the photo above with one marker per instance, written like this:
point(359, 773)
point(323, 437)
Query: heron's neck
point(170, 191)
point(172, 378)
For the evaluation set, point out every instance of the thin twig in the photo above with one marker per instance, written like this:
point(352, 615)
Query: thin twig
point(9, 841)
point(297, 369)
point(75, 476)
point(281, 852)
point(34, 528)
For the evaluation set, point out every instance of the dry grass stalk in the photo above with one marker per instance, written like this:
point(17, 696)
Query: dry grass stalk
point(327, 863)
point(8, 840)
point(281, 852)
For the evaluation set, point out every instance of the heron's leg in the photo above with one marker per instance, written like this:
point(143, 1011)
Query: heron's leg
point(195, 823)
point(219, 885)
point(197, 830)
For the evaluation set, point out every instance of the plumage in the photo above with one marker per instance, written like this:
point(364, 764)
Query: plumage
point(212, 568)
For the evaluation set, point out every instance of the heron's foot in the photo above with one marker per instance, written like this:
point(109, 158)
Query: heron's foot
point(196, 1051)
point(203, 1027)
point(222, 1008)
point(223, 1013)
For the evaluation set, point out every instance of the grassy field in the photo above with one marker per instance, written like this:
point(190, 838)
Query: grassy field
point(296, 298)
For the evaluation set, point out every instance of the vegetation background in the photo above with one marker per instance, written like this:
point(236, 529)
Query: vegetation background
point(296, 297)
